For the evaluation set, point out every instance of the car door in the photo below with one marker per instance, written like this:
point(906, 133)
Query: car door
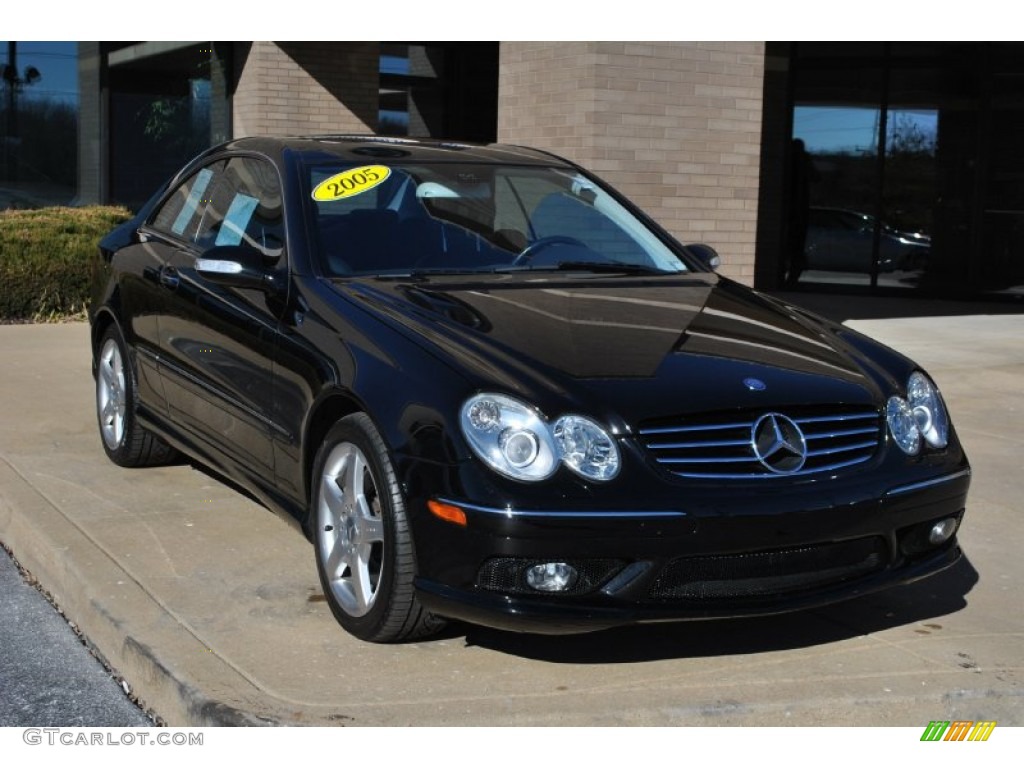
point(139, 296)
point(141, 267)
point(217, 342)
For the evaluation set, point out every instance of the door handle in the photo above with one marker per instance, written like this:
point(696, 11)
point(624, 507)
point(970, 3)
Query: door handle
point(169, 277)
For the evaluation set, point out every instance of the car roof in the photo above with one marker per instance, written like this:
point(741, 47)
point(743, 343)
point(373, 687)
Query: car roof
point(368, 148)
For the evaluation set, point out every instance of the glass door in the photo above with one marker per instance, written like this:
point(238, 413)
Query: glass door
point(833, 180)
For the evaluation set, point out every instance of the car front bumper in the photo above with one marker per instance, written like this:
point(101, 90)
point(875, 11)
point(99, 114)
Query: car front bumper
point(742, 558)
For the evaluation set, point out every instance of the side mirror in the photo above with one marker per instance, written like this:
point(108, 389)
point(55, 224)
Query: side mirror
point(707, 255)
point(236, 266)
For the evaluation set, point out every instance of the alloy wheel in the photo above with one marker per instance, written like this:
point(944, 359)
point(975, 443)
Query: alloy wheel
point(350, 529)
point(110, 394)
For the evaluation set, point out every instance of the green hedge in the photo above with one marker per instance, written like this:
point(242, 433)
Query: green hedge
point(45, 259)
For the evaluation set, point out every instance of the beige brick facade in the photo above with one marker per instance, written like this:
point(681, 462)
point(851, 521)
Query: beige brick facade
point(675, 126)
point(306, 88)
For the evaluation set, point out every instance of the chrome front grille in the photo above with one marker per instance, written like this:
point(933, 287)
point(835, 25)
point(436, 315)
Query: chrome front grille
point(721, 446)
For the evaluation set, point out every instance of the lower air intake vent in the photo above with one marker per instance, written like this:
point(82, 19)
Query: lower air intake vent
point(766, 574)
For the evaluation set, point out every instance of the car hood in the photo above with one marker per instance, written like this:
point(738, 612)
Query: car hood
point(636, 347)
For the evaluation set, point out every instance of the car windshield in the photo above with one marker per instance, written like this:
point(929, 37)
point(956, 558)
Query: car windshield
point(463, 217)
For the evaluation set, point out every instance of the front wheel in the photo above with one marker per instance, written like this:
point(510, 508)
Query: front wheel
point(126, 443)
point(364, 549)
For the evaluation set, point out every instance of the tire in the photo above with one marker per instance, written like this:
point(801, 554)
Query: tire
point(364, 549)
point(126, 443)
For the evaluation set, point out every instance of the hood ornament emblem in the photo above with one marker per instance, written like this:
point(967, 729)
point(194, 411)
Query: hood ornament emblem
point(755, 385)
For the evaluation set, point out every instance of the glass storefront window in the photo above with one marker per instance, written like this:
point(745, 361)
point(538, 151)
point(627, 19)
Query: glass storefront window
point(906, 170)
point(1000, 267)
point(833, 178)
point(38, 124)
point(166, 106)
point(908, 197)
point(835, 152)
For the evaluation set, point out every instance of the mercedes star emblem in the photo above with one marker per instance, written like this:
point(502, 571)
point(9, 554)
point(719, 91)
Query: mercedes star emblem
point(778, 443)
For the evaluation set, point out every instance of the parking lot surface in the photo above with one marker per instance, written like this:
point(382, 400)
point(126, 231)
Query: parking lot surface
point(210, 606)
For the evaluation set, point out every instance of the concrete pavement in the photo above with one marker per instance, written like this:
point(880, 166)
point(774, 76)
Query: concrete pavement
point(210, 606)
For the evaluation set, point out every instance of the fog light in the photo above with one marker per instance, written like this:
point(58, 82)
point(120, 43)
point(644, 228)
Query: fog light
point(942, 531)
point(551, 577)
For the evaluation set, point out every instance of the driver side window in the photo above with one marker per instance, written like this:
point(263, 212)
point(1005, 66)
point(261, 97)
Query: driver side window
point(181, 214)
point(232, 202)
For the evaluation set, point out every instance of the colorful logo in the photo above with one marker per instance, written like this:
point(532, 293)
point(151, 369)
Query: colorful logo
point(958, 730)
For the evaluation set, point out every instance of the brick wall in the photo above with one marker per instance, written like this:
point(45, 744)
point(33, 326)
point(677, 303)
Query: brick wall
point(306, 88)
point(675, 126)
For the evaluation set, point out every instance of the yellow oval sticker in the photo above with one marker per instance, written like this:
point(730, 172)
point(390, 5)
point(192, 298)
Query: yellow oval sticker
point(354, 181)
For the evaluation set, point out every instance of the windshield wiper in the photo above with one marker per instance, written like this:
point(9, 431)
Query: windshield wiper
point(604, 267)
point(424, 273)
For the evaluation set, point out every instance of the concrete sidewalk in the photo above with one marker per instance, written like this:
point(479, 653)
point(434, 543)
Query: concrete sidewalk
point(210, 606)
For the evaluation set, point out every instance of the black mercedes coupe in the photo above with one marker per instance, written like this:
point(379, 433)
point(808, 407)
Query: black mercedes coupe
point(488, 388)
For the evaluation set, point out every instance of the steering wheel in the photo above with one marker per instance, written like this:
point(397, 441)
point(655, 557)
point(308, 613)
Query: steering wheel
point(538, 245)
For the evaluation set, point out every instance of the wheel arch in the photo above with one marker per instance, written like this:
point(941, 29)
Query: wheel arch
point(103, 319)
point(331, 408)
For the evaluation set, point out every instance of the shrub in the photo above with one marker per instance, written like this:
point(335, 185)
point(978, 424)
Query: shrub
point(45, 259)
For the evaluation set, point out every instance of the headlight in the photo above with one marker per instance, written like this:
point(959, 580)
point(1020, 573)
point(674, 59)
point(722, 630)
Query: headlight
point(929, 412)
point(509, 436)
point(902, 425)
point(586, 448)
point(920, 414)
point(514, 440)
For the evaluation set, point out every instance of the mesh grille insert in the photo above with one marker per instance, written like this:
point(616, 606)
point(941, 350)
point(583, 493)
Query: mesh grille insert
point(767, 574)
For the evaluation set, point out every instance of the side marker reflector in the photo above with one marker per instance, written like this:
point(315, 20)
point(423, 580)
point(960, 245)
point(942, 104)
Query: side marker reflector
point(447, 512)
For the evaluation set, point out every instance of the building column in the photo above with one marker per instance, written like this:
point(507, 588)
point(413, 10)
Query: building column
point(91, 161)
point(305, 88)
point(675, 126)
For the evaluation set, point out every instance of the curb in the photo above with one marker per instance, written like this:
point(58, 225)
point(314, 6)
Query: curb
point(41, 536)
